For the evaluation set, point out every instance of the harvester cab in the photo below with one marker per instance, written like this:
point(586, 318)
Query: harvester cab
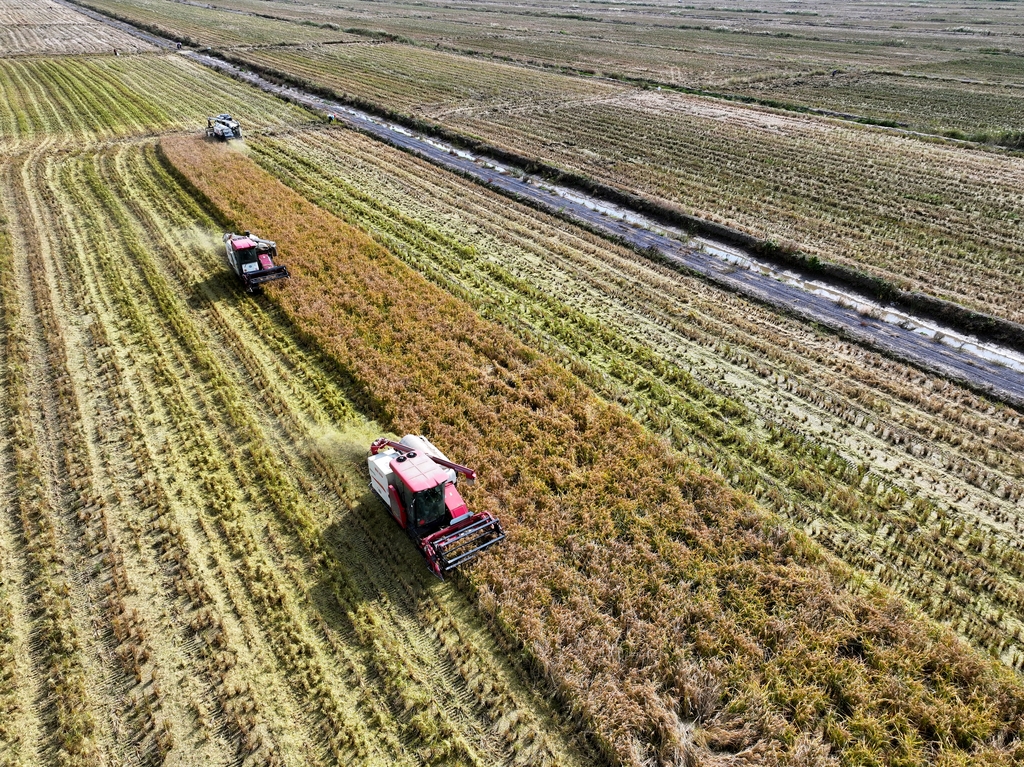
point(252, 260)
point(223, 128)
point(418, 485)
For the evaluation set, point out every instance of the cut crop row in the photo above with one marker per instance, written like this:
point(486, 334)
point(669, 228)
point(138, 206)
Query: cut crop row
point(103, 98)
point(139, 713)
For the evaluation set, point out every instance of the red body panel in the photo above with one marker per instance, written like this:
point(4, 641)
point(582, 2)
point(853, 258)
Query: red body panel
point(457, 508)
point(241, 243)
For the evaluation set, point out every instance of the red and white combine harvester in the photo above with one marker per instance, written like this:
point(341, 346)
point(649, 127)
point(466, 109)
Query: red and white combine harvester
point(252, 260)
point(418, 485)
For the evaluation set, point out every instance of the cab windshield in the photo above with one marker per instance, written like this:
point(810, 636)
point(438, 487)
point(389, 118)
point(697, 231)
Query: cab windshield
point(247, 255)
point(428, 505)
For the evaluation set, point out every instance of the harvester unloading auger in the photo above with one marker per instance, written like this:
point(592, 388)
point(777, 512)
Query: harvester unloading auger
point(417, 483)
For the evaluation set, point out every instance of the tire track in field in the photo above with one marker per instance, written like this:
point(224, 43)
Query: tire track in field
point(21, 724)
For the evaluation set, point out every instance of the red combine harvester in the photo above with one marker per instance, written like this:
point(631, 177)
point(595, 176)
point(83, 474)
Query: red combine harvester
point(417, 483)
point(252, 260)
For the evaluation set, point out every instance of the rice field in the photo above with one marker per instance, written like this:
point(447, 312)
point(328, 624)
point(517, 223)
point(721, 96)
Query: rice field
point(877, 462)
point(192, 569)
point(31, 28)
point(732, 537)
point(665, 608)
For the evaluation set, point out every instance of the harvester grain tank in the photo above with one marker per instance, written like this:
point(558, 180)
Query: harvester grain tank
point(417, 484)
point(252, 258)
point(223, 127)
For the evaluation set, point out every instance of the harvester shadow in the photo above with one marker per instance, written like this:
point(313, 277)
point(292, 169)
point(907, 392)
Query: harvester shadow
point(218, 287)
point(377, 578)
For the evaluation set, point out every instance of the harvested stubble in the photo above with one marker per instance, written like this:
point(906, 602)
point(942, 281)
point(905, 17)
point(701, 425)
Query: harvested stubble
point(677, 619)
point(106, 97)
point(33, 28)
point(204, 25)
point(56, 635)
